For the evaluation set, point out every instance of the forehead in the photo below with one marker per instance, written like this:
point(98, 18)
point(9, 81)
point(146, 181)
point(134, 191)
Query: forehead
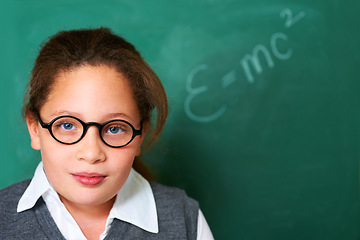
point(93, 92)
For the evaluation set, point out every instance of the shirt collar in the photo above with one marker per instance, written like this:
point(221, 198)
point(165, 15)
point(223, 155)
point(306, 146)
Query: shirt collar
point(37, 187)
point(134, 203)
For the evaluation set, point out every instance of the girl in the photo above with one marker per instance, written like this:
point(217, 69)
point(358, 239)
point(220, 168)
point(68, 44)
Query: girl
point(88, 109)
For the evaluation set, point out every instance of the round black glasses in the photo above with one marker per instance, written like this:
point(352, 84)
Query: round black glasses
point(70, 130)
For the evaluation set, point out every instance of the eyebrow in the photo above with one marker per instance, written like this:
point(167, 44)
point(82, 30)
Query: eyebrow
point(63, 113)
point(78, 115)
point(116, 115)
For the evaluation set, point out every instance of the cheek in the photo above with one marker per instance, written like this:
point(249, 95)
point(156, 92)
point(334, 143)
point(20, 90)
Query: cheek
point(54, 161)
point(52, 152)
point(46, 142)
point(121, 158)
point(55, 168)
point(55, 157)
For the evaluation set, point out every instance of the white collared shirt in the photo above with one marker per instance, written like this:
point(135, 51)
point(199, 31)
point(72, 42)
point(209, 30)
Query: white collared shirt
point(134, 204)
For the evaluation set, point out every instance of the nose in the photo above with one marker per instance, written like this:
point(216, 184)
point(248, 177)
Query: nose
point(91, 147)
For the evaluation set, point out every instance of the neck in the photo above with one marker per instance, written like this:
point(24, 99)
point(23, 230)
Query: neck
point(88, 211)
point(91, 219)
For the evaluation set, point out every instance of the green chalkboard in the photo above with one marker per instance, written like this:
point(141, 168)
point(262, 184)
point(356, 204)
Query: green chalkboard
point(264, 128)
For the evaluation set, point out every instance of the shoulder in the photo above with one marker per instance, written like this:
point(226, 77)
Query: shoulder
point(10, 196)
point(172, 195)
point(176, 210)
point(23, 225)
point(16, 187)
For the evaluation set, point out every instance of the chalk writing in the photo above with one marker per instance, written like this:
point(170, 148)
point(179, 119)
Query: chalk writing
point(193, 92)
point(275, 51)
point(247, 62)
point(290, 20)
point(254, 57)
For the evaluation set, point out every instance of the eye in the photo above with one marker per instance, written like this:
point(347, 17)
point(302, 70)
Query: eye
point(67, 126)
point(114, 130)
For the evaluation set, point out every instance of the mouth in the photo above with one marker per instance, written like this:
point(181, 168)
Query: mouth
point(89, 179)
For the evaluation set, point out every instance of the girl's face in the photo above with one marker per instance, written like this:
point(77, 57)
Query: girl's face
point(87, 173)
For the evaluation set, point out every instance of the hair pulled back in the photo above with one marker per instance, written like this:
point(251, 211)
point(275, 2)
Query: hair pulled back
point(69, 50)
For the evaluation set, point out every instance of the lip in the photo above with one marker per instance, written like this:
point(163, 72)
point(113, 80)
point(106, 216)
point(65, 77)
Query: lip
point(89, 179)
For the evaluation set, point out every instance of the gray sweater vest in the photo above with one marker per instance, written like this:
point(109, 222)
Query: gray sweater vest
point(177, 217)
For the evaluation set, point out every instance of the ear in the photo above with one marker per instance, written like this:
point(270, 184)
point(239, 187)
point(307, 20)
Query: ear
point(33, 127)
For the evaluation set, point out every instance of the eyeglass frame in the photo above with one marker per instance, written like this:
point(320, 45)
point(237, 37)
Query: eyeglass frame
point(86, 125)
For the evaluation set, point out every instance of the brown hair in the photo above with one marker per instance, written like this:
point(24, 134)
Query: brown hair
point(67, 50)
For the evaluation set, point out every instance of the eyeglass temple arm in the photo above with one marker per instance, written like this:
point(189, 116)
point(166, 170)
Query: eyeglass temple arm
point(138, 132)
